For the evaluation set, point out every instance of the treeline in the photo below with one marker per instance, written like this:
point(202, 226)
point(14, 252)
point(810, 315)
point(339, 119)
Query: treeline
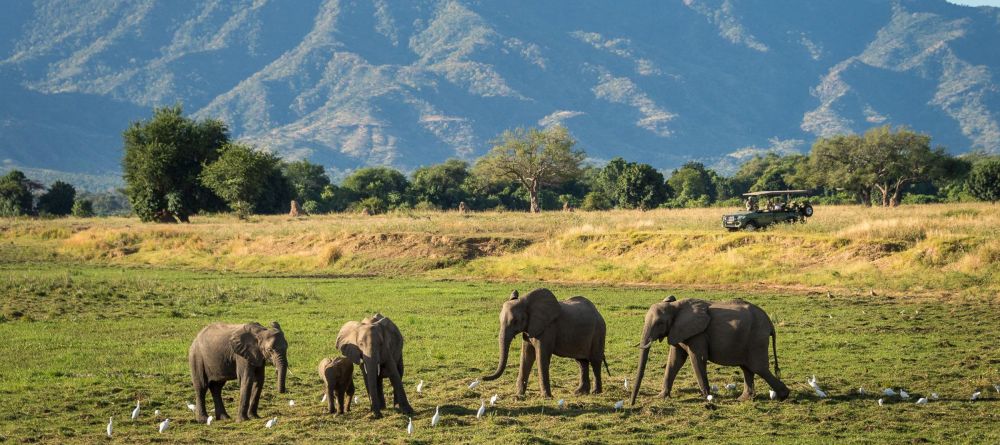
point(175, 167)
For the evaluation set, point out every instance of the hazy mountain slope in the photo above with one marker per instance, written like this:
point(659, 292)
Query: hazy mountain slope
point(348, 83)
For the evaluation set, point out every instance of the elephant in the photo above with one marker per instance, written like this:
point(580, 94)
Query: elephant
point(223, 352)
point(570, 328)
point(732, 333)
point(338, 381)
point(376, 344)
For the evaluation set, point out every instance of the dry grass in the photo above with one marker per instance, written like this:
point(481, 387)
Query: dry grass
point(928, 249)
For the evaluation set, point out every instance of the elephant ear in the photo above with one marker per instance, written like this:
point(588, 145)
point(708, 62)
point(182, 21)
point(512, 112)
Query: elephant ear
point(245, 344)
point(690, 319)
point(543, 309)
point(347, 341)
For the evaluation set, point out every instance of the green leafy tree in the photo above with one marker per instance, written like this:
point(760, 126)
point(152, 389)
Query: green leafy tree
point(306, 179)
point(163, 161)
point(441, 184)
point(15, 194)
point(387, 184)
point(596, 200)
point(83, 208)
point(839, 163)
point(692, 185)
point(335, 199)
point(58, 200)
point(535, 159)
point(984, 181)
point(640, 186)
point(241, 177)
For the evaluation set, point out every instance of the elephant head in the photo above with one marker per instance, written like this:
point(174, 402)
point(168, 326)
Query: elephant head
point(675, 320)
point(257, 343)
point(530, 315)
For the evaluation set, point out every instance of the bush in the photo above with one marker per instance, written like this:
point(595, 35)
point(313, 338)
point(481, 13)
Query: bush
point(596, 201)
point(83, 208)
point(984, 181)
point(426, 205)
point(915, 198)
point(375, 205)
point(311, 207)
point(58, 201)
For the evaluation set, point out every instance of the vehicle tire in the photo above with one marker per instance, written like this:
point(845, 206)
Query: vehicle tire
point(732, 229)
point(807, 211)
point(751, 227)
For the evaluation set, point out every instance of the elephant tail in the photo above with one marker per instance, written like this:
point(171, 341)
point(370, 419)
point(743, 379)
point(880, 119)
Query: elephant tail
point(606, 367)
point(774, 347)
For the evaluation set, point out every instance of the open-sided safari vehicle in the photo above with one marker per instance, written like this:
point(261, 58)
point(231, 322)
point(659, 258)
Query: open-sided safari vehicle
point(769, 207)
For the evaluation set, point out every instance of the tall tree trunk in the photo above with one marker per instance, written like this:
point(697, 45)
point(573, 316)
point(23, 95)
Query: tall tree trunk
point(533, 191)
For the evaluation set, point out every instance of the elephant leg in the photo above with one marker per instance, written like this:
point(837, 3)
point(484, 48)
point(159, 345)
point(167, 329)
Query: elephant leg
point(370, 374)
point(381, 392)
point(675, 361)
point(245, 383)
point(340, 402)
point(220, 406)
point(398, 392)
point(329, 393)
point(524, 371)
point(596, 365)
point(699, 362)
point(777, 385)
point(584, 377)
point(350, 394)
point(544, 357)
point(200, 412)
point(747, 384)
point(257, 385)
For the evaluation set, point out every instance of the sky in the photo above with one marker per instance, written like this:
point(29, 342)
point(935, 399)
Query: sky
point(977, 2)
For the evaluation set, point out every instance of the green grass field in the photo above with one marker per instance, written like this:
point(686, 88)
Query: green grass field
point(84, 342)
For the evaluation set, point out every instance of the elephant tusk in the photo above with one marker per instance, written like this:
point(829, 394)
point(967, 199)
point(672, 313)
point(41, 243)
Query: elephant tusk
point(645, 346)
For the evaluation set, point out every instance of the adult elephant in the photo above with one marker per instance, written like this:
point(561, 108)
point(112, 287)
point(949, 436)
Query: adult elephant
point(376, 344)
point(571, 328)
point(733, 333)
point(223, 352)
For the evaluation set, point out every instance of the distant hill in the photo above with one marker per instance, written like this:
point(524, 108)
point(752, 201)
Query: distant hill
point(349, 83)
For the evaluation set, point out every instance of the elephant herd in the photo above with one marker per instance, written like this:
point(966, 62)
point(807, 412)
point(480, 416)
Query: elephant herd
point(733, 333)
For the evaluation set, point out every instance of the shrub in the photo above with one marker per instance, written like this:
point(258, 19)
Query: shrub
point(596, 201)
point(920, 199)
point(311, 207)
point(83, 208)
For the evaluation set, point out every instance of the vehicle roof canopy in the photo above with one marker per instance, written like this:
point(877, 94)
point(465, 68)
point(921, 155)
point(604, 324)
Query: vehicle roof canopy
point(777, 193)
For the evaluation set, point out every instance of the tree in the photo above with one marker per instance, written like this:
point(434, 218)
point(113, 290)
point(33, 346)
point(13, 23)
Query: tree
point(984, 181)
point(15, 194)
point(441, 184)
point(83, 208)
point(534, 158)
point(640, 186)
point(163, 161)
point(240, 176)
point(692, 185)
point(839, 163)
point(769, 172)
point(58, 200)
point(384, 183)
point(306, 179)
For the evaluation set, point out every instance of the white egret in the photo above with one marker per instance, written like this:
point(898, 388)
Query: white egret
point(209, 420)
point(975, 395)
point(164, 425)
point(626, 383)
point(772, 394)
point(156, 413)
point(291, 403)
point(997, 387)
point(922, 401)
point(710, 397)
point(493, 400)
point(437, 416)
point(934, 396)
point(820, 393)
point(474, 384)
point(420, 387)
point(191, 406)
point(880, 402)
point(110, 421)
point(889, 392)
point(813, 383)
point(135, 412)
point(271, 423)
point(903, 394)
point(730, 387)
point(619, 404)
point(482, 409)
point(409, 426)
point(861, 391)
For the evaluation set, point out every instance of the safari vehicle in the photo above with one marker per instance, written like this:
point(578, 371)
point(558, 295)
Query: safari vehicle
point(769, 207)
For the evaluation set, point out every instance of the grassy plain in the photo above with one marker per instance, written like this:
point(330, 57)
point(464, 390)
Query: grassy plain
point(98, 313)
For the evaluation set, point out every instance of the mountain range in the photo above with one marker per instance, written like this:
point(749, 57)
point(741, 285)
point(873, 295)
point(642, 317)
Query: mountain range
point(348, 83)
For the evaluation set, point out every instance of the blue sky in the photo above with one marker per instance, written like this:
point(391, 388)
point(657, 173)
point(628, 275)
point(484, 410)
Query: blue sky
point(977, 2)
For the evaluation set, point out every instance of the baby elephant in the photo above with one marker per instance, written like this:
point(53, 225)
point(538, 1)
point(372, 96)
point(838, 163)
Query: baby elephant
point(338, 380)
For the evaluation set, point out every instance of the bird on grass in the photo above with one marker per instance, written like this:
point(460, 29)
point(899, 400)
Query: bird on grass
point(291, 403)
point(815, 386)
point(934, 396)
point(482, 409)
point(730, 387)
point(111, 420)
point(271, 423)
point(135, 412)
point(889, 392)
point(420, 387)
point(715, 389)
point(619, 404)
point(191, 406)
point(409, 427)
point(710, 398)
point(922, 401)
point(561, 404)
point(437, 416)
point(493, 400)
point(474, 384)
point(164, 425)
point(626, 383)
point(903, 394)
point(997, 387)
point(209, 420)
point(976, 395)
point(156, 413)
point(880, 402)
point(772, 394)
point(861, 392)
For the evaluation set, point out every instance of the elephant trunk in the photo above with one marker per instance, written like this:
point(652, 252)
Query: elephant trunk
point(504, 339)
point(643, 358)
point(281, 367)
